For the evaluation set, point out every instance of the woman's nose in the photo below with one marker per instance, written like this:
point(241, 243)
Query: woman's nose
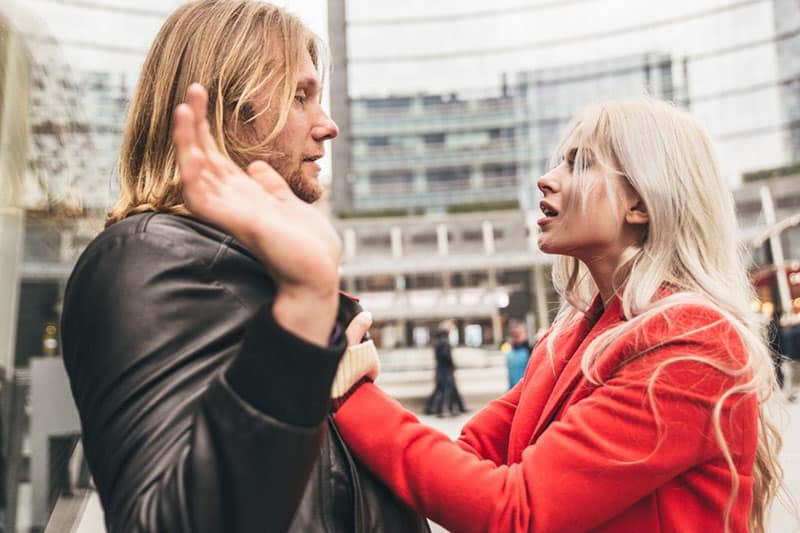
point(548, 182)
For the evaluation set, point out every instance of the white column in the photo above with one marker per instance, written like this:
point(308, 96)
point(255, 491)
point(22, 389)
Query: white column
point(768, 208)
point(12, 233)
point(442, 243)
point(488, 237)
point(540, 296)
point(497, 328)
point(396, 236)
point(14, 137)
point(350, 243)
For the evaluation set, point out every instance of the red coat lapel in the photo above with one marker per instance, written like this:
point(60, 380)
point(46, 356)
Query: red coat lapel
point(572, 350)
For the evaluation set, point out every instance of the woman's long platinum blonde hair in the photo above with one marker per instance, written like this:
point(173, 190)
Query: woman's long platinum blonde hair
point(689, 246)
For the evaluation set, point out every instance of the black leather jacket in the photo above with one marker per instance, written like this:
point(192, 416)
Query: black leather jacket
point(200, 413)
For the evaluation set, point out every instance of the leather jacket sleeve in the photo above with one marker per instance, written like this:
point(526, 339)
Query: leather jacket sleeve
point(199, 412)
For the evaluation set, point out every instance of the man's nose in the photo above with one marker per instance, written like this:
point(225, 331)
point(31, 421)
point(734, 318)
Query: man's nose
point(326, 129)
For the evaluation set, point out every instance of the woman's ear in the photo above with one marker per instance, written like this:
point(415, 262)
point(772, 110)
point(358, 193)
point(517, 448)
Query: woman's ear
point(636, 212)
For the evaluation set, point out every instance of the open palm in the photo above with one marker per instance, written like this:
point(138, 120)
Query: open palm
point(295, 241)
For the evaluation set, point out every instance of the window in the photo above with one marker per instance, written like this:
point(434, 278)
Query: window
point(496, 170)
point(375, 241)
point(447, 174)
point(383, 181)
point(433, 138)
point(424, 238)
point(377, 141)
point(501, 133)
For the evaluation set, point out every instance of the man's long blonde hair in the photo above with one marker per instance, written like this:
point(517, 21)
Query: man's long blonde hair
point(689, 246)
point(235, 49)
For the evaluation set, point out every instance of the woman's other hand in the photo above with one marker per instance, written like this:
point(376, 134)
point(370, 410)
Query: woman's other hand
point(358, 328)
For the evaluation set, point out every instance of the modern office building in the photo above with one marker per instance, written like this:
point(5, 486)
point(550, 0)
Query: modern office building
point(440, 126)
point(787, 30)
point(732, 62)
point(429, 151)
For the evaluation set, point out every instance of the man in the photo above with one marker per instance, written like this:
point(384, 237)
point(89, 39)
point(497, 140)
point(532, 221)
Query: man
point(517, 357)
point(202, 384)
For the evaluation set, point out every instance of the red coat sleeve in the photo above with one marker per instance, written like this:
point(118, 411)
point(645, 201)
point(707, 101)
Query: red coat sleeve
point(608, 450)
point(486, 434)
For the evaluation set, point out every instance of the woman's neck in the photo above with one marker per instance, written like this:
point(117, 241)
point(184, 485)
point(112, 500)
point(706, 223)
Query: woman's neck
point(606, 275)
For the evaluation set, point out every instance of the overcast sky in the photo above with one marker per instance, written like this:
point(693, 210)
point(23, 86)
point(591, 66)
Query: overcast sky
point(447, 44)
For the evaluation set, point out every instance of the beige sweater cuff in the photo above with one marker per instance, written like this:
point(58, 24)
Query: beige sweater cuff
point(358, 361)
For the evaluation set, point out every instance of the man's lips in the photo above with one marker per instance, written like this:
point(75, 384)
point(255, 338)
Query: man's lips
point(312, 162)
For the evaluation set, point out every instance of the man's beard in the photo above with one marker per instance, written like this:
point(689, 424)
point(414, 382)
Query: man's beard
point(307, 189)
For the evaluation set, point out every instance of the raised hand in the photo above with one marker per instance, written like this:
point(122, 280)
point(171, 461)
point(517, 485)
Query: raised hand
point(294, 240)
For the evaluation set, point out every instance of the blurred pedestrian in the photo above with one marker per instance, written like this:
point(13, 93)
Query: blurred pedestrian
point(445, 392)
point(202, 365)
point(519, 352)
point(647, 406)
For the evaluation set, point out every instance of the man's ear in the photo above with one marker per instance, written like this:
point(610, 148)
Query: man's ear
point(636, 212)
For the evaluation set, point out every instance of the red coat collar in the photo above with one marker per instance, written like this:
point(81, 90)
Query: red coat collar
point(570, 350)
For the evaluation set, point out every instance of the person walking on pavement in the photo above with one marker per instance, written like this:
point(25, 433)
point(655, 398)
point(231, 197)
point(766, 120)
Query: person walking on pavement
point(445, 392)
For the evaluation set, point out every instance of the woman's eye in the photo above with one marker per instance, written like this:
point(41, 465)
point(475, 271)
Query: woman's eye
point(300, 98)
point(570, 158)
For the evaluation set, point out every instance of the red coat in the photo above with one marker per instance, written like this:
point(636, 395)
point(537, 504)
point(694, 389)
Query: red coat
point(557, 453)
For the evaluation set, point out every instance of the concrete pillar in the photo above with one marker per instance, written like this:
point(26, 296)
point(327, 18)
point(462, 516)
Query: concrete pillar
point(491, 281)
point(12, 234)
point(420, 181)
point(350, 285)
point(396, 237)
point(488, 237)
point(539, 295)
point(776, 246)
point(497, 327)
point(14, 137)
point(341, 158)
point(476, 178)
point(442, 244)
point(350, 243)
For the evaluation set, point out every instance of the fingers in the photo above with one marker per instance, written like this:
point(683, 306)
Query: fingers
point(190, 159)
point(193, 136)
point(358, 328)
point(197, 99)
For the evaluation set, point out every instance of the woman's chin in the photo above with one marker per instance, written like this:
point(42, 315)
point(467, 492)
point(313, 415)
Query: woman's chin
point(545, 246)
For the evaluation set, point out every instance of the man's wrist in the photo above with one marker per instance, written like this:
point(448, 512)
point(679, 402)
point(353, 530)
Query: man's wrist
point(308, 315)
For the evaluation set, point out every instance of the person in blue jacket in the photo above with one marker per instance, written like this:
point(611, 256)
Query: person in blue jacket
point(517, 357)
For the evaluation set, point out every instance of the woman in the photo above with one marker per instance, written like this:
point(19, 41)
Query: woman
point(644, 409)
